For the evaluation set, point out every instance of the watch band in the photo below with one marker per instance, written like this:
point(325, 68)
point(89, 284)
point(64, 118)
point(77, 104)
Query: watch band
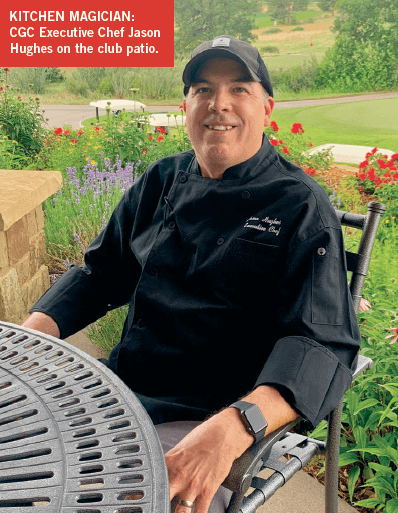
point(252, 419)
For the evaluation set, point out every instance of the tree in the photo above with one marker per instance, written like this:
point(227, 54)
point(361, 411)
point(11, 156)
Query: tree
point(203, 20)
point(327, 5)
point(365, 53)
point(284, 9)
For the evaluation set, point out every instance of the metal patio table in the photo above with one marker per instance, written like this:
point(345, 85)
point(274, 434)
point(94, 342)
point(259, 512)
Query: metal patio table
point(73, 437)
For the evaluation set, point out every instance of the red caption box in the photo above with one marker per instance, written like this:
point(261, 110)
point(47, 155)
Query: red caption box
point(85, 34)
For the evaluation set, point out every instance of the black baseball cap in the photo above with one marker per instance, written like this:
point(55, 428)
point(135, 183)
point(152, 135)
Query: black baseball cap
point(228, 46)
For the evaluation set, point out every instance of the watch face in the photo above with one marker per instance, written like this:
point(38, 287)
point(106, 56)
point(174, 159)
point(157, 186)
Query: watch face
point(255, 418)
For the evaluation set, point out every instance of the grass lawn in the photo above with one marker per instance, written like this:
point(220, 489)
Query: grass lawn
point(365, 123)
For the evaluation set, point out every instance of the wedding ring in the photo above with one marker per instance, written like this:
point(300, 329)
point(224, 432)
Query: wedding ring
point(187, 504)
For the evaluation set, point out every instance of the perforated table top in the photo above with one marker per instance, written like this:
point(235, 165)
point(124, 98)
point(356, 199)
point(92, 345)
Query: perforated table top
point(73, 437)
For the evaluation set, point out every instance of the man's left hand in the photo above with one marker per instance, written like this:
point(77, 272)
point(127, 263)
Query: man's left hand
point(199, 464)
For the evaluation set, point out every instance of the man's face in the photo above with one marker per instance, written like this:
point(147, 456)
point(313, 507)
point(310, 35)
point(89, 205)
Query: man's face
point(225, 115)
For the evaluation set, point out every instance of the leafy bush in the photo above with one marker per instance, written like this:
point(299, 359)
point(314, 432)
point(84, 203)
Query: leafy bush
point(54, 75)
point(92, 77)
point(78, 87)
point(297, 29)
point(272, 30)
point(21, 121)
point(296, 78)
point(269, 49)
point(105, 88)
point(159, 83)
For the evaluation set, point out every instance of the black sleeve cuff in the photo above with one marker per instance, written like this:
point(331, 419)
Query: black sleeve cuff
point(312, 374)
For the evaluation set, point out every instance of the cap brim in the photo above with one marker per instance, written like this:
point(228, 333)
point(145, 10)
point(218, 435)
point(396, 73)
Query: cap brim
point(194, 64)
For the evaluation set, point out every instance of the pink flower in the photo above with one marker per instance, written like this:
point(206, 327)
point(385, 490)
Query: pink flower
point(394, 334)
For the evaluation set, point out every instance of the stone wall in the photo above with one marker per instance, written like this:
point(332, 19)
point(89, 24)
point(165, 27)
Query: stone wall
point(24, 276)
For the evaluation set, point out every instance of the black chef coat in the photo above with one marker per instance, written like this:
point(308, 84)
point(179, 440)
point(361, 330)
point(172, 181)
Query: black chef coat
point(231, 284)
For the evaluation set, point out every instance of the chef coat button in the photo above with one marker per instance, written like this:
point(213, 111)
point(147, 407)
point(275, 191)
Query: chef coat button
point(153, 271)
point(183, 178)
point(321, 251)
point(220, 241)
point(140, 323)
point(172, 225)
point(245, 194)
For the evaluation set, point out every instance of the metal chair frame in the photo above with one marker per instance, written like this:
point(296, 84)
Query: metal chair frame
point(267, 452)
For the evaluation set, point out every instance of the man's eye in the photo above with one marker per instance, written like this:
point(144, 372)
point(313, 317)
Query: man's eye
point(203, 89)
point(240, 89)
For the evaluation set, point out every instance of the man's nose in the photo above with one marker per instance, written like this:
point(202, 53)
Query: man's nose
point(220, 101)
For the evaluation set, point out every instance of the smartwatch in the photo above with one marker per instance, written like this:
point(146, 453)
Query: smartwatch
point(252, 419)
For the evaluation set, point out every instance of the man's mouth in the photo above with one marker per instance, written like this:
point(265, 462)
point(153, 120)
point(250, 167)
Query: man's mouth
point(220, 127)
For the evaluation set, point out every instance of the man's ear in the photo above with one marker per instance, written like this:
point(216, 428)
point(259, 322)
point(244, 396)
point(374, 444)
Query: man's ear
point(268, 108)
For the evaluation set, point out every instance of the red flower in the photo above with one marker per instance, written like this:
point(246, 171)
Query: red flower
point(286, 151)
point(362, 176)
point(394, 156)
point(74, 141)
point(160, 129)
point(395, 176)
point(274, 126)
point(280, 141)
point(150, 138)
point(310, 143)
point(363, 164)
point(390, 164)
point(382, 163)
point(274, 142)
point(371, 174)
point(394, 335)
point(144, 150)
point(297, 128)
point(58, 131)
point(67, 132)
point(311, 44)
point(360, 188)
point(310, 171)
point(368, 155)
point(80, 131)
point(375, 150)
point(97, 128)
point(387, 175)
point(181, 107)
point(160, 138)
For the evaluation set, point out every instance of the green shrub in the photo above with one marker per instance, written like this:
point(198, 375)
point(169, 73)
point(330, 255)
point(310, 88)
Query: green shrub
point(30, 80)
point(54, 75)
point(272, 30)
point(297, 78)
point(105, 87)
point(269, 49)
point(90, 76)
point(21, 122)
point(78, 87)
point(297, 29)
point(159, 83)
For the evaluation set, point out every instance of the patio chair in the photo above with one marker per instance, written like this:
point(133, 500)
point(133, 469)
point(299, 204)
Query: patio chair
point(300, 448)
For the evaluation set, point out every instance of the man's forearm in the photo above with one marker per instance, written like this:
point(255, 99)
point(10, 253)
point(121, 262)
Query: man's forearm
point(39, 321)
point(275, 409)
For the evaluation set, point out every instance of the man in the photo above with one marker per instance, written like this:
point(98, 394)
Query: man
point(232, 262)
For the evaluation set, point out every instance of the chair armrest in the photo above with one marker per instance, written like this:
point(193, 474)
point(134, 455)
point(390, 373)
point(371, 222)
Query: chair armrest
point(242, 471)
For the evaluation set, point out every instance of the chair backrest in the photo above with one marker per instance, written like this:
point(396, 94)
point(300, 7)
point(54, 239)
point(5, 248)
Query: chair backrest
point(358, 263)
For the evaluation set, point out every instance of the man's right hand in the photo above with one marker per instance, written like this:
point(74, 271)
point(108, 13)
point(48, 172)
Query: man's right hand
point(39, 321)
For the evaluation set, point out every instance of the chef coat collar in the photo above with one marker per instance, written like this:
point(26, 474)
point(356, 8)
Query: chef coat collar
point(247, 169)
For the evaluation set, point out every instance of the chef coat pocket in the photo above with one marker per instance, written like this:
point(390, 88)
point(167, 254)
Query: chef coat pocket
point(327, 299)
point(251, 262)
